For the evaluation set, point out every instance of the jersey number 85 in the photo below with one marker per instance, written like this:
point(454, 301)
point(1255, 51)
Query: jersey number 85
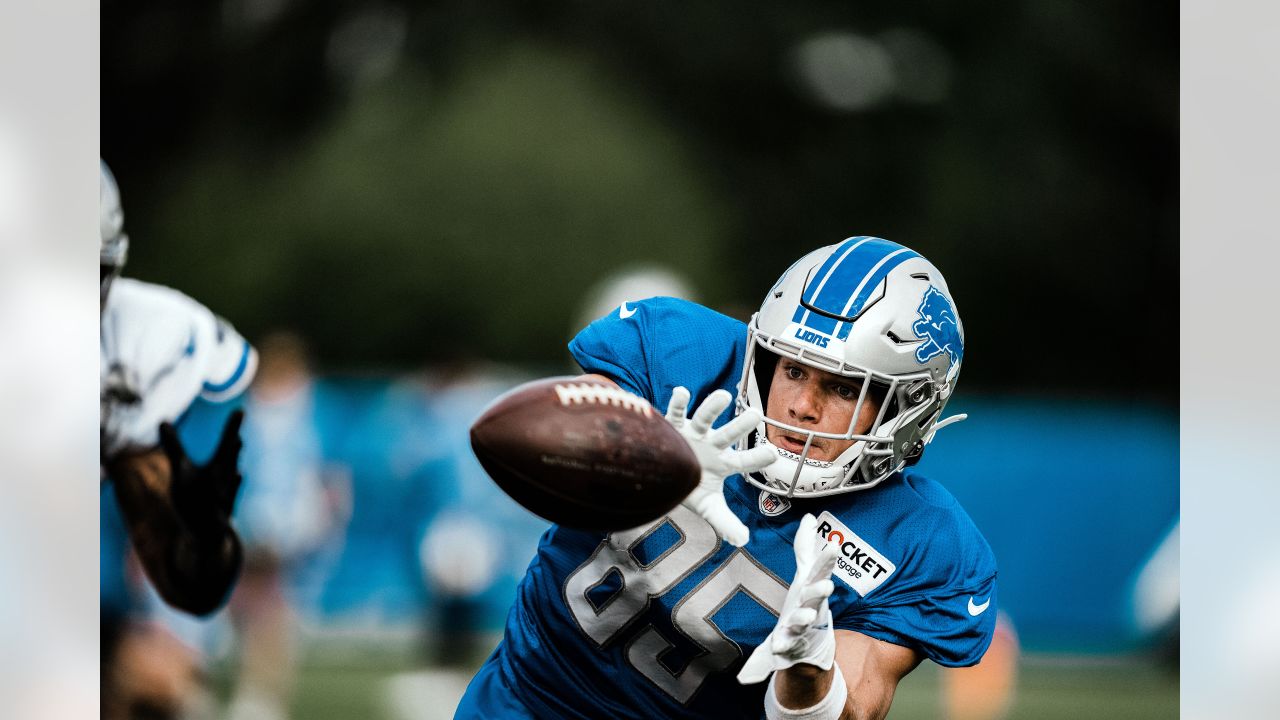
point(692, 615)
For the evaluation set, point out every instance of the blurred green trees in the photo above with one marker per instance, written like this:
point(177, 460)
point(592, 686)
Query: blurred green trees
point(421, 224)
point(412, 181)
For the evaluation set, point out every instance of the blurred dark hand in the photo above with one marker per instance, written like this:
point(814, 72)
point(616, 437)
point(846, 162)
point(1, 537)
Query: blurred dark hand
point(203, 496)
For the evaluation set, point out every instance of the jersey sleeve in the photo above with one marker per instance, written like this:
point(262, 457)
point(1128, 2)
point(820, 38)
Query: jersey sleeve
point(651, 346)
point(615, 346)
point(231, 364)
point(951, 625)
point(163, 351)
point(938, 592)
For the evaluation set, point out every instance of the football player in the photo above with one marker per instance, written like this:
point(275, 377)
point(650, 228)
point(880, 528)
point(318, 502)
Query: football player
point(811, 555)
point(170, 366)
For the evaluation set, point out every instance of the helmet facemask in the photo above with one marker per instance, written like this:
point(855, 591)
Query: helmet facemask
point(907, 406)
point(113, 247)
point(110, 263)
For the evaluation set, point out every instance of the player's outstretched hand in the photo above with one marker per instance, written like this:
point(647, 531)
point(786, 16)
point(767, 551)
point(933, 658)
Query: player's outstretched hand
point(204, 495)
point(717, 459)
point(803, 633)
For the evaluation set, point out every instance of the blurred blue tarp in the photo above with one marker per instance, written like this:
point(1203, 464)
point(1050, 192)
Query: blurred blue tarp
point(1072, 495)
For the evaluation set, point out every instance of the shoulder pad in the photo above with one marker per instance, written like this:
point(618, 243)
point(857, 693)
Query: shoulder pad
point(159, 351)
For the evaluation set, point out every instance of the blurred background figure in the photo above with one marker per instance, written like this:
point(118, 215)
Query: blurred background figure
point(474, 549)
point(291, 515)
point(154, 675)
point(628, 284)
point(472, 542)
point(985, 691)
point(1156, 601)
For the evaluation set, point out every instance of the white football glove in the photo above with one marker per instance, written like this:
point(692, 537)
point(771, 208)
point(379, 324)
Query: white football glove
point(803, 633)
point(718, 461)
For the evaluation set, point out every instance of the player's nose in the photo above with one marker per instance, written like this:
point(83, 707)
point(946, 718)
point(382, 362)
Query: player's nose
point(804, 405)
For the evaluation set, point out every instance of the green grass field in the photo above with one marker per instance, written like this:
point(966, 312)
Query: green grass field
point(371, 684)
point(1062, 689)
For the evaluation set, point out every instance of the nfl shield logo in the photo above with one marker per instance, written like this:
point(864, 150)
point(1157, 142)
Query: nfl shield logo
point(773, 505)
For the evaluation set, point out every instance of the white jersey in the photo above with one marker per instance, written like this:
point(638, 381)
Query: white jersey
point(161, 351)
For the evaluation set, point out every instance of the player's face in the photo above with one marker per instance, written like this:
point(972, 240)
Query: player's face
point(816, 400)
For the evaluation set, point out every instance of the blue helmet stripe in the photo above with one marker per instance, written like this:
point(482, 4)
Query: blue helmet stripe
point(833, 261)
point(848, 277)
point(871, 282)
point(846, 281)
point(821, 323)
point(851, 281)
point(818, 282)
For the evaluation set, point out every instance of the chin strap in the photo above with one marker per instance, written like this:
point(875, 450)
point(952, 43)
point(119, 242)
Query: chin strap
point(943, 423)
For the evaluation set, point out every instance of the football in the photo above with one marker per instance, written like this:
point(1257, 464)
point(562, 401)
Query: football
point(585, 454)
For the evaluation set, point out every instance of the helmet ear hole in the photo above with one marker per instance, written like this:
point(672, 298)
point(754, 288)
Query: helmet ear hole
point(918, 392)
point(880, 466)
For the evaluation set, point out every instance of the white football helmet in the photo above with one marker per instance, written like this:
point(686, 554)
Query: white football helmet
point(867, 309)
point(114, 247)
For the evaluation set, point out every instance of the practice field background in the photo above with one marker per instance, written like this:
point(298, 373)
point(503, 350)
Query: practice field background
point(1073, 532)
point(377, 684)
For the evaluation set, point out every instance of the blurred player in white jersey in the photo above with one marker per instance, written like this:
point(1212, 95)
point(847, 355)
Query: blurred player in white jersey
point(171, 376)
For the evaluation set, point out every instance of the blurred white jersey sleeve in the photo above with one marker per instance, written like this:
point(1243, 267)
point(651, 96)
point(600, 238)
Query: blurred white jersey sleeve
point(161, 351)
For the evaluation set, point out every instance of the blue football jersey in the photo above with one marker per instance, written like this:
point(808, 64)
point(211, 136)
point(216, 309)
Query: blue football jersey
point(656, 621)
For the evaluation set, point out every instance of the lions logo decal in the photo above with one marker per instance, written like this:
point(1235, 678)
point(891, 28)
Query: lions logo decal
point(938, 328)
